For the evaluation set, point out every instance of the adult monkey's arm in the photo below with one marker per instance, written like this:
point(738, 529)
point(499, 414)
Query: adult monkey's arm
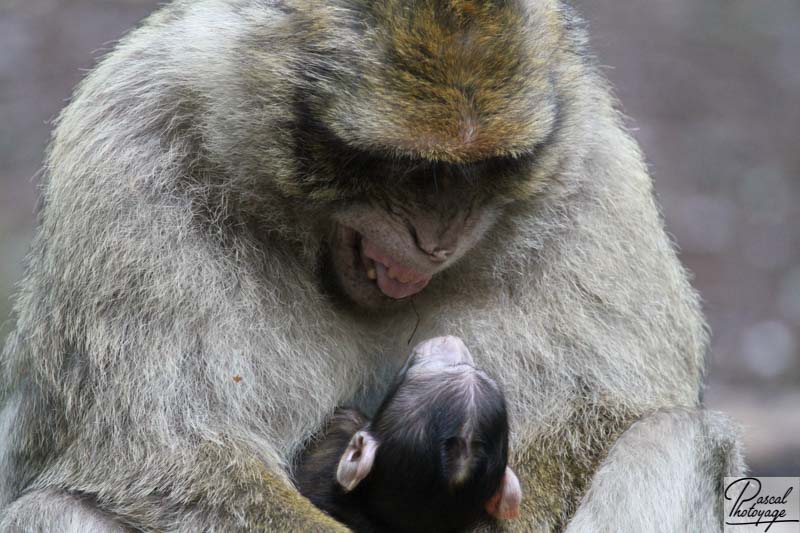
point(213, 489)
point(158, 414)
point(664, 474)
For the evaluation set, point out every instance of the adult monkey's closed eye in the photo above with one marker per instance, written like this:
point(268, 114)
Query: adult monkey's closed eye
point(247, 189)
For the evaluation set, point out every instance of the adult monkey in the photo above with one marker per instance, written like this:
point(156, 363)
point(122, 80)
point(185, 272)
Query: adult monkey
point(238, 196)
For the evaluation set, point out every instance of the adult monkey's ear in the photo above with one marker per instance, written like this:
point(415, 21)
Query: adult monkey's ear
point(357, 460)
point(504, 505)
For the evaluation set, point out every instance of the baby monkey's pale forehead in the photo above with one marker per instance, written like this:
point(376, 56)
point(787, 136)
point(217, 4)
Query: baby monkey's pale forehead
point(442, 364)
point(440, 352)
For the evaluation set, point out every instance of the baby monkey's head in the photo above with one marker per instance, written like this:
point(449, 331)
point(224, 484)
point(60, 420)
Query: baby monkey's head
point(435, 454)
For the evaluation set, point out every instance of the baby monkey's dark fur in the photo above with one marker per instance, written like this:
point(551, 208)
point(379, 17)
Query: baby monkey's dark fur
point(433, 458)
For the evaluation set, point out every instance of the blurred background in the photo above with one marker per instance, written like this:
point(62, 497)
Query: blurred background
point(712, 90)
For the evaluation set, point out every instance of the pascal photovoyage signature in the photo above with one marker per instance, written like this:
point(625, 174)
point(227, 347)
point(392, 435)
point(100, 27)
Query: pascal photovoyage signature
point(750, 507)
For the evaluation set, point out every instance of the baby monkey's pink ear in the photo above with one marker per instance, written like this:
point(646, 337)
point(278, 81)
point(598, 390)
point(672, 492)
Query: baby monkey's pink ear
point(504, 505)
point(357, 459)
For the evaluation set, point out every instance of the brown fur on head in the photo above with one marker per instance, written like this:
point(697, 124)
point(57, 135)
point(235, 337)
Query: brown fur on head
point(458, 80)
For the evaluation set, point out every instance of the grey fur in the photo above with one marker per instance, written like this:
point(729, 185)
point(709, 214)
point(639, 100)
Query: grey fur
point(663, 453)
point(46, 511)
point(165, 265)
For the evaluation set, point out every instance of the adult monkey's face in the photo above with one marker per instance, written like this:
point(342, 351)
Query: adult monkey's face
point(417, 220)
point(441, 114)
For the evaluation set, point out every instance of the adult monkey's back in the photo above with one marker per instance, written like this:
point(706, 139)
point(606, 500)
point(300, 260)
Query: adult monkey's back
point(238, 202)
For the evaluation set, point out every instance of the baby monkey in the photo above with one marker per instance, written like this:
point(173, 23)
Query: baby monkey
point(433, 458)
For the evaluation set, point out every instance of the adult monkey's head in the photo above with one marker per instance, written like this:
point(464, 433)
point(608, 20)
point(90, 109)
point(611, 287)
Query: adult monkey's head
point(415, 122)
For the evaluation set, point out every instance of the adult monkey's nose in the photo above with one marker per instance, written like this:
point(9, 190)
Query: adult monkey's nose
point(439, 255)
point(437, 239)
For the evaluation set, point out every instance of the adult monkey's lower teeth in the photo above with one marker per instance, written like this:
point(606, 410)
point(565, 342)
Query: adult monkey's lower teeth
point(372, 273)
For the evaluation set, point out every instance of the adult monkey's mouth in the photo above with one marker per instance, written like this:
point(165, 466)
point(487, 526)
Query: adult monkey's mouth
point(394, 279)
point(390, 276)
